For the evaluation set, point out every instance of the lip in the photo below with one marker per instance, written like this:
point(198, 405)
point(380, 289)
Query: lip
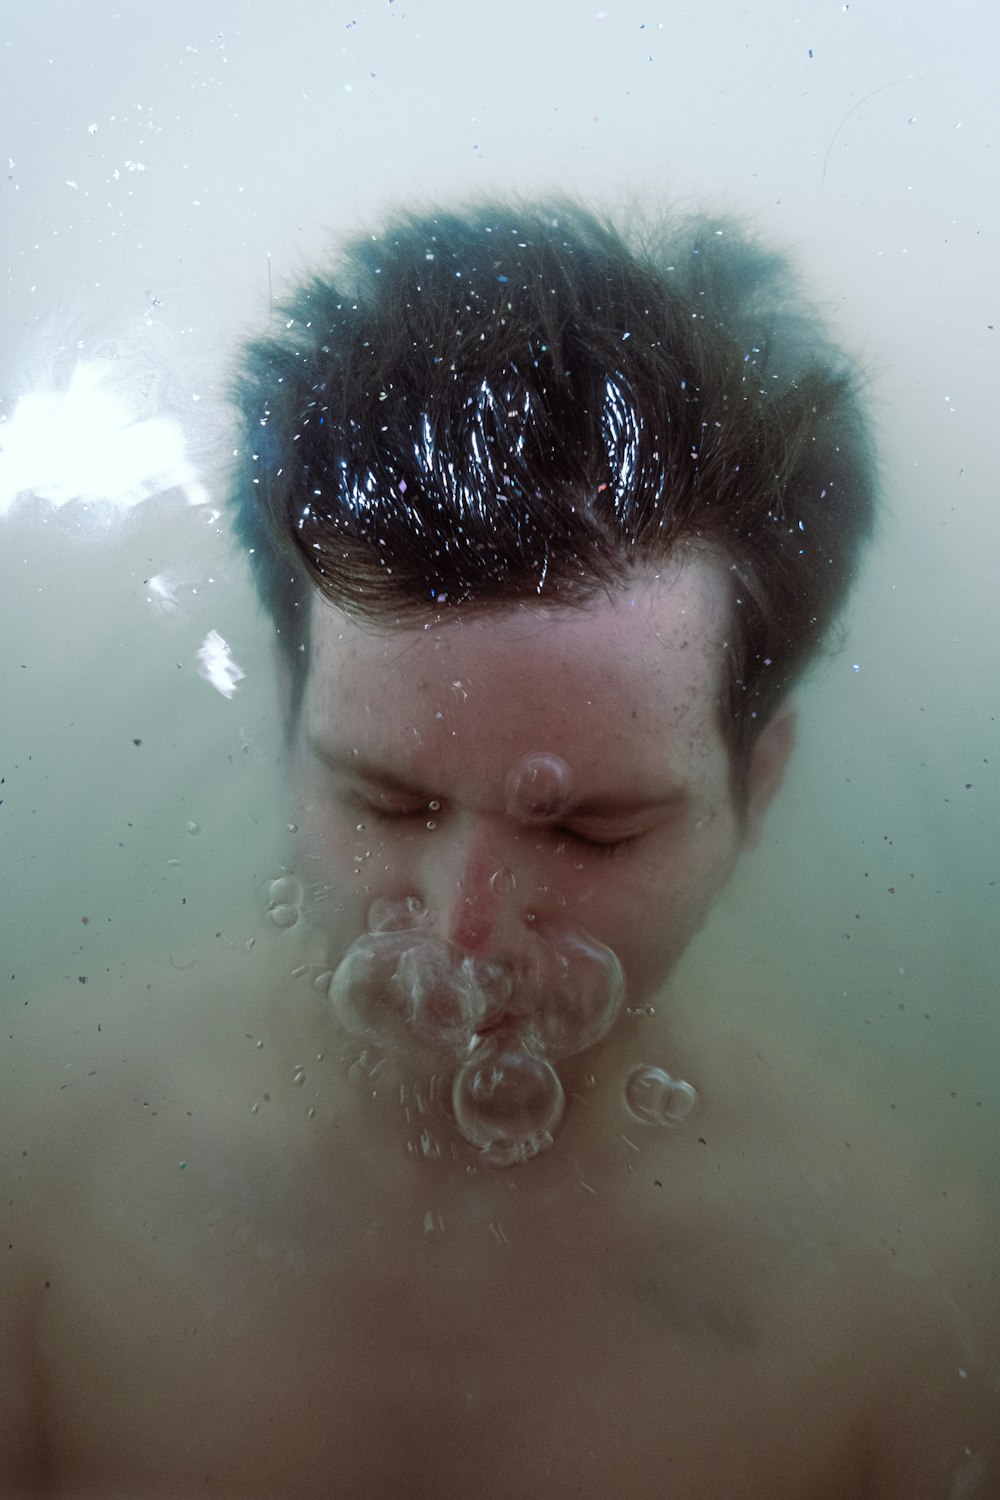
point(505, 1024)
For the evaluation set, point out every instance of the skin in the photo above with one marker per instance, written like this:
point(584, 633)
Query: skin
point(624, 692)
point(335, 1295)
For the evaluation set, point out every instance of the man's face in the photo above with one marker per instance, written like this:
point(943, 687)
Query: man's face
point(409, 739)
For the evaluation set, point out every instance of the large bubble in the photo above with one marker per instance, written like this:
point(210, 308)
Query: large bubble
point(508, 1105)
point(403, 988)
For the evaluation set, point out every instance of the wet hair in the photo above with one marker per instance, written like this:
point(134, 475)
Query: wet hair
point(517, 403)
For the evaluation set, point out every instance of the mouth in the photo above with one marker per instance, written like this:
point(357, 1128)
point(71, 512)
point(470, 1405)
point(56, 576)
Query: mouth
point(502, 1026)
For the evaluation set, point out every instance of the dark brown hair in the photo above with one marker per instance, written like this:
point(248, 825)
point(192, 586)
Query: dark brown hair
point(507, 403)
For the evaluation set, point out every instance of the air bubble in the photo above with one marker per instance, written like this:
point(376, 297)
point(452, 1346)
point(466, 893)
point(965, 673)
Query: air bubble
point(508, 1105)
point(431, 824)
point(395, 916)
point(284, 916)
point(192, 827)
point(502, 881)
point(399, 987)
point(539, 788)
point(434, 805)
point(285, 891)
point(657, 1099)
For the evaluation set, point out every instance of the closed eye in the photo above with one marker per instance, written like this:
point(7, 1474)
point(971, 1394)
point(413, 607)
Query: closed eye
point(598, 848)
point(388, 812)
point(410, 813)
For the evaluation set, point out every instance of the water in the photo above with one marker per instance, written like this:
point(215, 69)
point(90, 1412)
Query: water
point(156, 199)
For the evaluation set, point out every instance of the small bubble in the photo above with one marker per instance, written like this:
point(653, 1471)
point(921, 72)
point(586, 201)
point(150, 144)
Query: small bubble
point(502, 881)
point(538, 789)
point(359, 828)
point(292, 827)
point(285, 891)
point(284, 916)
point(431, 824)
point(657, 1099)
point(255, 1109)
point(298, 1077)
point(192, 827)
point(434, 805)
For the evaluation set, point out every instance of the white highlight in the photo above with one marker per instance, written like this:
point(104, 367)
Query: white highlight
point(161, 595)
point(86, 443)
point(216, 666)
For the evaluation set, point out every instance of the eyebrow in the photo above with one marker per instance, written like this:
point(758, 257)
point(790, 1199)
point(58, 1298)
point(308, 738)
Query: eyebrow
point(355, 764)
point(591, 807)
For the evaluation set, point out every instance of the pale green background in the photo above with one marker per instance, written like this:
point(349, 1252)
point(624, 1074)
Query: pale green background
point(170, 161)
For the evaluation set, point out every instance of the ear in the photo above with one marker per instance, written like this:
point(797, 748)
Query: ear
point(768, 763)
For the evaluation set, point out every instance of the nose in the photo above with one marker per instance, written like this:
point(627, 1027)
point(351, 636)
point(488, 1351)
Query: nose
point(474, 884)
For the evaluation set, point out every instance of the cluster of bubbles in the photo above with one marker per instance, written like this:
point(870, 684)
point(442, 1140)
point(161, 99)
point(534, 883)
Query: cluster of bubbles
point(403, 988)
point(284, 901)
point(655, 1098)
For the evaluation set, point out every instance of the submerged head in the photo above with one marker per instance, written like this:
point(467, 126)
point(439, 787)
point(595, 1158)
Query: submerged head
point(548, 526)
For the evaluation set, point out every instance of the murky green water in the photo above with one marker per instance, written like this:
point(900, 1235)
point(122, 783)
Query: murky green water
point(163, 183)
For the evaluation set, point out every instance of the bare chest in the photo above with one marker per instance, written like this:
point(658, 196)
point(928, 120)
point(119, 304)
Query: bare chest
point(376, 1352)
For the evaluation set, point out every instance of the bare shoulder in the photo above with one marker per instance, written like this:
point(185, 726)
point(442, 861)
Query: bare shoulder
point(936, 1421)
point(893, 1243)
point(919, 1235)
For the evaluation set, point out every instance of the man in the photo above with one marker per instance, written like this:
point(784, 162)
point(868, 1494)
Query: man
point(437, 1189)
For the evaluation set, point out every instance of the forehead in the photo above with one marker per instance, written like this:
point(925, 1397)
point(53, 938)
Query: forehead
point(629, 679)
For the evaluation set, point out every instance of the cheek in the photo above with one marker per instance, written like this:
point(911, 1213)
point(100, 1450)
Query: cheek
point(649, 912)
point(341, 859)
